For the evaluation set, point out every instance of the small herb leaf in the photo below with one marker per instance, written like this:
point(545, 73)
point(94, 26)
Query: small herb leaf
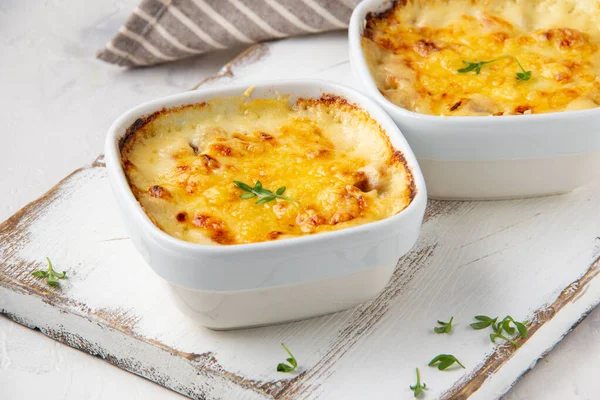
point(247, 195)
point(506, 326)
point(480, 325)
point(265, 199)
point(280, 190)
point(52, 281)
point(446, 327)
point(497, 327)
point(522, 329)
point(283, 367)
point(418, 387)
point(40, 274)
point(242, 186)
point(444, 361)
point(469, 67)
point(59, 275)
point(523, 76)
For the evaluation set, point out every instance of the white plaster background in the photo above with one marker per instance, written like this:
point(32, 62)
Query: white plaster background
point(56, 103)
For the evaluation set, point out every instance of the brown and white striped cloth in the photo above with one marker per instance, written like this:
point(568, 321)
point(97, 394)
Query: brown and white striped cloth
point(159, 31)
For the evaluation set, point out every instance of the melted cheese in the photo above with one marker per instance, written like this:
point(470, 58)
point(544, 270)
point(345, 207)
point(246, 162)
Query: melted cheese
point(414, 51)
point(332, 157)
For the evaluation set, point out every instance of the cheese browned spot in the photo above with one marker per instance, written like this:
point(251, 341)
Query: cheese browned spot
point(274, 235)
point(414, 49)
point(159, 192)
point(331, 156)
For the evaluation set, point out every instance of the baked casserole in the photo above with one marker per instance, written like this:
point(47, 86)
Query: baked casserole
point(234, 170)
point(486, 57)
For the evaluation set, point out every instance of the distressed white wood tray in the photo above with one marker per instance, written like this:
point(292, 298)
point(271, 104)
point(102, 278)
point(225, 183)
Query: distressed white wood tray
point(535, 259)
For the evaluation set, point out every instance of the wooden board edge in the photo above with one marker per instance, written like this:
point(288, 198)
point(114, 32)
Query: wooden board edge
point(551, 348)
point(39, 203)
point(115, 346)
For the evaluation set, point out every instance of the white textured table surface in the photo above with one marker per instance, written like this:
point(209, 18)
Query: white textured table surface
point(57, 102)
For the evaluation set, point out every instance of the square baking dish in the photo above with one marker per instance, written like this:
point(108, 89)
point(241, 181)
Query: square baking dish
point(226, 287)
point(489, 157)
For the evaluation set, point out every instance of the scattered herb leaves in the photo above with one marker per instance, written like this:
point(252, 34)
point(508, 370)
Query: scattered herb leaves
point(283, 367)
point(502, 329)
point(264, 195)
point(51, 275)
point(444, 361)
point(446, 327)
point(477, 65)
point(418, 388)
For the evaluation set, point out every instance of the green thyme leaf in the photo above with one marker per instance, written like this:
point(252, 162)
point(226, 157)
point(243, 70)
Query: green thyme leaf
point(506, 326)
point(52, 281)
point(283, 367)
point(480, 325)
point(418, 388)
point(522, 329)
point(266, 199)
point(443, 361)
point(446, 327)
point(522, 76)
point(242, 186)
point(470, 66)
point(59, 275)
point(483, 323)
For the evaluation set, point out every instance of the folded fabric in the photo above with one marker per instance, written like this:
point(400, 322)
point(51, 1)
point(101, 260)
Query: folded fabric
point(160, 31)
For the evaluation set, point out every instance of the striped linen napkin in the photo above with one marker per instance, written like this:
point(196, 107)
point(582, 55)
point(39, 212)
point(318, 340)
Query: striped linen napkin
point(159, 31)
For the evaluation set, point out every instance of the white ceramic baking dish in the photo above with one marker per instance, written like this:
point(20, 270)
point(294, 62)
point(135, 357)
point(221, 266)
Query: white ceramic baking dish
point(488, 157)
point(224, 287)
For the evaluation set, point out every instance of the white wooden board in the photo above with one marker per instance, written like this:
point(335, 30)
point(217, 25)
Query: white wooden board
point(533, 259)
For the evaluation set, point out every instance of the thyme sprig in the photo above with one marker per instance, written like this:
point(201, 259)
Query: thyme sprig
point(265, 195)
point(51, 275)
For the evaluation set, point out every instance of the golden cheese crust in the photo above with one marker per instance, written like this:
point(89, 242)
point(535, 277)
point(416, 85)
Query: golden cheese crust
point(332, 157)
point(415, 49)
